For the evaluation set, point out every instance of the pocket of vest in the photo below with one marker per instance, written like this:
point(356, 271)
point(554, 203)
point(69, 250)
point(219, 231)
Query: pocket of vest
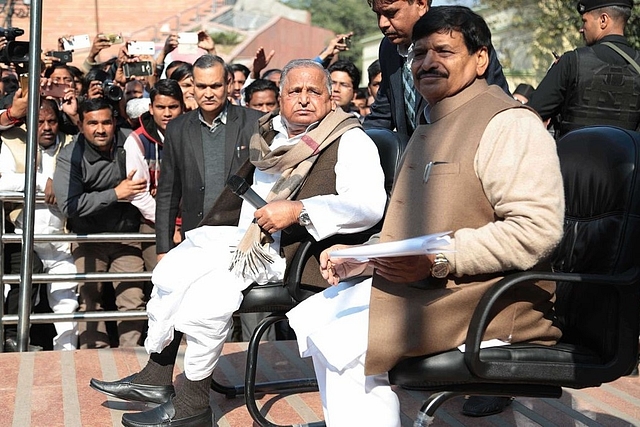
point(440, 168)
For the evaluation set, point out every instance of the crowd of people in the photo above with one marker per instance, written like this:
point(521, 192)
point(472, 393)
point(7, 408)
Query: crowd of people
point(152, 154)
point(139, 109)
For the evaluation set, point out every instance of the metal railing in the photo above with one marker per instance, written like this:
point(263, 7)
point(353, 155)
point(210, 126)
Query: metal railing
point(25, 303)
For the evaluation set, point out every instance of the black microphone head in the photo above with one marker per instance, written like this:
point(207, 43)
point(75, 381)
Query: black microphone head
point(237, 184)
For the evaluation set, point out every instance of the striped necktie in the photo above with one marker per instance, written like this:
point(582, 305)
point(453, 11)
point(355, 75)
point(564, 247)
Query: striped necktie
point(409, 94)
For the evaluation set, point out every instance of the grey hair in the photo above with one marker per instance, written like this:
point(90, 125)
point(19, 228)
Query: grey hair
point(305, 63)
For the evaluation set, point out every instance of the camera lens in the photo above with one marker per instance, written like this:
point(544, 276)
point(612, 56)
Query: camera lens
point(111, 92)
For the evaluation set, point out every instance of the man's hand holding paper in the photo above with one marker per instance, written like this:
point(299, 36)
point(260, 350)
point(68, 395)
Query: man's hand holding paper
point(403, 261)
point(336, 269)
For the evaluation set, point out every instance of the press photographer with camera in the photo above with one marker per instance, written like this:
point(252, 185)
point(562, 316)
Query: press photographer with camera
point(338, 44)
point(100, 42)
point(58, 84)
point(133, 66)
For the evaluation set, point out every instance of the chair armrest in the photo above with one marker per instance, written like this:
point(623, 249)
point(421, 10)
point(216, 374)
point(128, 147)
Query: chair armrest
point(483, 314)
point(294, 276)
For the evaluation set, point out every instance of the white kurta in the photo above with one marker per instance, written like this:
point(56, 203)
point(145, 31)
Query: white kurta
point(135, 160)
point(56, 257)
point(196, 294)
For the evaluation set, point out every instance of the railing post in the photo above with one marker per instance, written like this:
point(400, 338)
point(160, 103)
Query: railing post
point(24, 303)
point(2, 255)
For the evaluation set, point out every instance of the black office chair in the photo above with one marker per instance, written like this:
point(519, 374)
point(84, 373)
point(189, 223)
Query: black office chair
point(279, 297)
point(597, 270)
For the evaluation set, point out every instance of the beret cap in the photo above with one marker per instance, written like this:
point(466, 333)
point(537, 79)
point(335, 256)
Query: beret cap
point(588, 5)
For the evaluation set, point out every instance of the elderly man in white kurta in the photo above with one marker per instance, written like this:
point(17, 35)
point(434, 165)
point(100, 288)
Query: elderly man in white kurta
point(317, 169)
point(485, 168)
point(56, 257)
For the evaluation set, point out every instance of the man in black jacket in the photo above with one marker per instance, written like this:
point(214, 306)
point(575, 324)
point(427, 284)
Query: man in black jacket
point(598, 84)
point(202, 148)
point(398, 105)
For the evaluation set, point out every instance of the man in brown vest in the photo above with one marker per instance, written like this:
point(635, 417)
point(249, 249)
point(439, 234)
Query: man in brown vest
point(321, 176)
point(485, 168)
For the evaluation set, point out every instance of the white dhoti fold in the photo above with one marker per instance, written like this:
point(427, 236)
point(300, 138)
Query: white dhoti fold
point(195, 293)
point(332, 327)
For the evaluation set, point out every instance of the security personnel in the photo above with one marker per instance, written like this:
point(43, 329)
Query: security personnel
point(598, 84)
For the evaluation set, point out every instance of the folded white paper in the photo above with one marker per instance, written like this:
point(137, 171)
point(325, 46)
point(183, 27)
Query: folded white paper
point(422, 245)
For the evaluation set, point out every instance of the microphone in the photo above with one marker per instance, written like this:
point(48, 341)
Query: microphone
point(241, 188)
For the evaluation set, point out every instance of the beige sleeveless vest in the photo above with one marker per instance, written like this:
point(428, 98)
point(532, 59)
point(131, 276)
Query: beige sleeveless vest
point(433, 316)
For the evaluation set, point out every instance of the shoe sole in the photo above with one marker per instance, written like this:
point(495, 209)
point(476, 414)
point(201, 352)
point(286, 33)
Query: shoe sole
point(208, 421)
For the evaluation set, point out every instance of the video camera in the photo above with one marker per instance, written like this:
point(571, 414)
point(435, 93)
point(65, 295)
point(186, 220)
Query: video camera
point(14, 51)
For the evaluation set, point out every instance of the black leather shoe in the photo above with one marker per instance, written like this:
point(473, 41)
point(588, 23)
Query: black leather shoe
point(11, 346)
point(126, 390)
point(164, 416)
point(482, 406)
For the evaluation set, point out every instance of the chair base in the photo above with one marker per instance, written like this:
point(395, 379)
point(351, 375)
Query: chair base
point(250, 388)
point(427, 411)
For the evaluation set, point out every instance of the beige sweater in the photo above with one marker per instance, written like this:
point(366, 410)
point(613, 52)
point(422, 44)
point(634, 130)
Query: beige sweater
point(482, 250)
point(495, 180)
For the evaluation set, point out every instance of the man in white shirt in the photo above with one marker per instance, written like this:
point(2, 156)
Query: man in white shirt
point(319, 173)
point(56, 257)
point(144, 154)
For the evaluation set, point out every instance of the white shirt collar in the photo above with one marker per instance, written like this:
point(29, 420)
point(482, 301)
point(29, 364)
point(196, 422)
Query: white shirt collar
point(280, 127)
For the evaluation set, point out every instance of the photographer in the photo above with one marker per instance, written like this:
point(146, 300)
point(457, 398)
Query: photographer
point(339, 43)
point(58, 84)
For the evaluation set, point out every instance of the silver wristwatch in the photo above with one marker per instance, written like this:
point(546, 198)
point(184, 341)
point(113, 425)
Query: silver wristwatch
point(440, 267)
point(303, 218)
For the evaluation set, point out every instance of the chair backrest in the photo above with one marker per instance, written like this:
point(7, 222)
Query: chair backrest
point(600, 168)
point(391, 146)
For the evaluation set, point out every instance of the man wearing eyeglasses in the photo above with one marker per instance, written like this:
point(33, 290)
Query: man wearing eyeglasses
point(345, 78)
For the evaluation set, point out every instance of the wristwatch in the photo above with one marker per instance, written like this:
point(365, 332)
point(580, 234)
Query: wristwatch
point(303, 218)
point(440, 267)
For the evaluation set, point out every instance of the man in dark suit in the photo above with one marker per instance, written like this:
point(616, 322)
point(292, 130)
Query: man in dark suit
point(202, 148)
point(398, 105)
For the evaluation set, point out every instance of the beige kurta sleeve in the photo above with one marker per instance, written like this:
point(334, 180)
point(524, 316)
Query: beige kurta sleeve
point(519, 169)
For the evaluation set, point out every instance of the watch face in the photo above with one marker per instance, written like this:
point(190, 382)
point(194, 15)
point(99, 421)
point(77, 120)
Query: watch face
point(440, 270)
point(304, 219)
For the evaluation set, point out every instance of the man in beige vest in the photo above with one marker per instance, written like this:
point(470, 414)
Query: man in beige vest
point(484, 168)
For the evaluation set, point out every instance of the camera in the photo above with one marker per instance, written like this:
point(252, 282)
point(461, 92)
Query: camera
point(65, 56)
point(142, 68)
point(111, 91)
point(11, 33)
point(14, 51)
point(114, 38)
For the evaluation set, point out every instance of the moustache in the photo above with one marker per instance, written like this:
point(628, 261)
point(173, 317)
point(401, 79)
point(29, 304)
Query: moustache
point(431, 72)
